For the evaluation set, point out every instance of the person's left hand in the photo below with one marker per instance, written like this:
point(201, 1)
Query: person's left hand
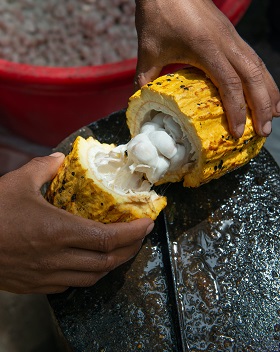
point(44, 249)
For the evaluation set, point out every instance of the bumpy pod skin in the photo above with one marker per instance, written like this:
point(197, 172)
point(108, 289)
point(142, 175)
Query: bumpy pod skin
point(194, 102)
point(78, 190)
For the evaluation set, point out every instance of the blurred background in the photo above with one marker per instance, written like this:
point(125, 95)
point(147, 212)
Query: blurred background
point(25, 321)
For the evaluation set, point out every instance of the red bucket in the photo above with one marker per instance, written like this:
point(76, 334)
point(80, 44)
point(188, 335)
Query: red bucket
point(46, 104)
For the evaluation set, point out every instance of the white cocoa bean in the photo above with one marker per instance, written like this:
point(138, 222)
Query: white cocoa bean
point(143, 153)
point(177, 160)
point(164, 143)
point(154, 174)
point(172, 128)
point(141, 137)
point(158, 119)
point(149, 127)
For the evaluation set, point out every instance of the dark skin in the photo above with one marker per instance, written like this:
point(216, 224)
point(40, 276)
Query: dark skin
point(196, 32)
point(45, 249)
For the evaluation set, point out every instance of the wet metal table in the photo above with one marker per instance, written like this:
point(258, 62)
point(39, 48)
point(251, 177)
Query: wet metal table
point(206, 279)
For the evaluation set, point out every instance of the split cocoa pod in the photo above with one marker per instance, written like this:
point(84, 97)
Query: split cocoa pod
point(179, 131)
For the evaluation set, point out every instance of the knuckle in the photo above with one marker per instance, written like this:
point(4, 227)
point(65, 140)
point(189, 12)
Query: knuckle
point(47, 265)
point(200, 39)
point(232, 83)
point(255, 71)
point(109, 263)
point(106, 242)
point(266, 108)
point(103, 262)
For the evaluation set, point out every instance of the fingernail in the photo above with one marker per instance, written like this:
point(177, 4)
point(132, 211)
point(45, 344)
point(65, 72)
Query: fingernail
point(267, 128)
point(56, 154)
point(239, 130)
point(278, 108)
point(150, 228)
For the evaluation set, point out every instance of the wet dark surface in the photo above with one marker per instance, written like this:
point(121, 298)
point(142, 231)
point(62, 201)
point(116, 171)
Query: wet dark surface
point(206, 279)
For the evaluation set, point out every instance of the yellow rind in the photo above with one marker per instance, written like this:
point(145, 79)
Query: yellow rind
point(193, 98)
point(78, 191)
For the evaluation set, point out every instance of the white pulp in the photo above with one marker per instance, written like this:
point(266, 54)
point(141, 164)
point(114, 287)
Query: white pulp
point(160, 147)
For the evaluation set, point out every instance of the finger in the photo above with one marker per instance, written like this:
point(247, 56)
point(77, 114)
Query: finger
point(260, 90)
point(230, 88)
point(260, 103)
point(66, 278)
point(145, 74)
point(40, 169)
point(87, 234)
point(51, 289)
point(85, 260)
point(45, 290)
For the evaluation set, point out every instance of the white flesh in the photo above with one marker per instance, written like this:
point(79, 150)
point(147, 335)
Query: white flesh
point(161, 146)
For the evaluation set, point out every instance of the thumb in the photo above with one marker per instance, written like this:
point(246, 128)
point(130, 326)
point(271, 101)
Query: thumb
point(144, 76)
point(42, 169)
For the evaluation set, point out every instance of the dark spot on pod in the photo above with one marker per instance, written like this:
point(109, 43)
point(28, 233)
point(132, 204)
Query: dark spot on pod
point(61, 189)
point(159, 83)
point(73, 173)
point(101, 204)
point(186, 88)
point(168, 79)
point(73, 198)
point(220, 164)
point(182, 86)
point(149, 84)
point(63, 207)
point(215, 167)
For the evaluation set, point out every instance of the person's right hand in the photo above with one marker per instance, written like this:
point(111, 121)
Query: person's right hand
point(197, 33)
point(44, 249)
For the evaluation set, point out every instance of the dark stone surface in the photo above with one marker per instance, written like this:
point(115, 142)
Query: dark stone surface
point(206, 279)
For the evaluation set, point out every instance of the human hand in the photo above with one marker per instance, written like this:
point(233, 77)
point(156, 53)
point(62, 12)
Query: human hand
point(197, 33)
point(44, 249)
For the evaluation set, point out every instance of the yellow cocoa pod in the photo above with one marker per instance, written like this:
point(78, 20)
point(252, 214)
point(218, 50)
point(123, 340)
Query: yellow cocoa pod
point(193, 101)
point(87, 187)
